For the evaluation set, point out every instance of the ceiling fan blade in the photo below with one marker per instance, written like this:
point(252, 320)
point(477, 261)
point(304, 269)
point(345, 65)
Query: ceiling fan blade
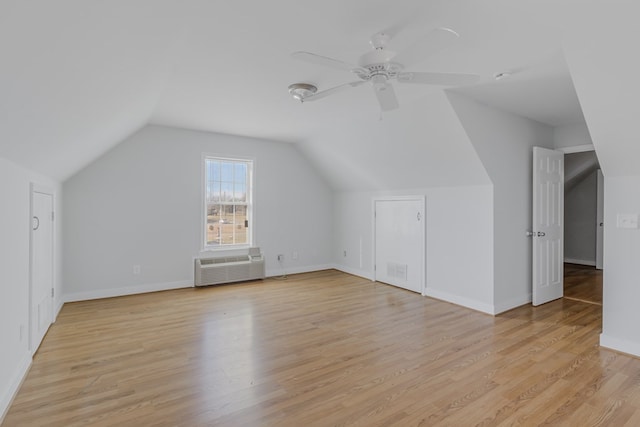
point(326, 61)
point(444, 79)
point(435, 41)
point(331, 91)
point(386, 96)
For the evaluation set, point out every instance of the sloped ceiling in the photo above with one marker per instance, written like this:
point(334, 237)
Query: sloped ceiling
point(577, 166)
point(605, 67)
point(78, 76)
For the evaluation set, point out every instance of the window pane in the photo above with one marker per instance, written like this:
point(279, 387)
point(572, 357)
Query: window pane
point(240, 174)
point(226, 194)
point(213, 224)
point(226, 225)
point(213, 191)
point(213, 181)
point(226, 191)
point(240, 193)
point(226, 172)
point(242, 232)
point(215, 171)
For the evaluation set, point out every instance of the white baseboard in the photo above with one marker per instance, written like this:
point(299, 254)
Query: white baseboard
point(462, 301)
point(59, 303)
point(297, 270)
point(155, 287)
point(127, 290)
point(580, 261)
point(454, 299)
point(7, 395)
point(623, 346)
point(512, 303)
point(355, 271)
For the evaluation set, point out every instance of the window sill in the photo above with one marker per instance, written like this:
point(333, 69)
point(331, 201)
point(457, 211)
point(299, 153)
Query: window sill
point(225, 248)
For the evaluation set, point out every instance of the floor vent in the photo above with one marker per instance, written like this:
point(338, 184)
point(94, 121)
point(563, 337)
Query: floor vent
point(398, 271)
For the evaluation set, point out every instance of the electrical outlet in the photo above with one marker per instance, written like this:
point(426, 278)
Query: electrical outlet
point(344, 253)
point(627, 220)
point(280, 257)
point(294, 255)
point(136, 269)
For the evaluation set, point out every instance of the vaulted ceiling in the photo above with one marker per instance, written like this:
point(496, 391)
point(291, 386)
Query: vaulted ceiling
point(79, 76)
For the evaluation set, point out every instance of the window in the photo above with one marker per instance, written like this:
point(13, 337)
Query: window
point(228, 197)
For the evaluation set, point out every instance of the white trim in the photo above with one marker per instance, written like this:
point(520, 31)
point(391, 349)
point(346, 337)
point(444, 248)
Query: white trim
point(420, 198)
point(461, 301)
point(58, 308)
point(355, 271)
point(167, 286)
point(450, 298)
point(576, 148)
point(251, 209)
point(7, 395)
point(624, 346)
point(511, 304)
point(580, 261)
point(297, 270)
point(127, 290)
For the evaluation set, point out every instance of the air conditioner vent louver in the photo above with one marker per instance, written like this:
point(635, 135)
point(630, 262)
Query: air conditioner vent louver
point(218, 270)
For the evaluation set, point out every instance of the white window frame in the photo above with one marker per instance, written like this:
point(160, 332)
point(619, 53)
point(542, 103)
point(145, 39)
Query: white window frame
point(251, 163)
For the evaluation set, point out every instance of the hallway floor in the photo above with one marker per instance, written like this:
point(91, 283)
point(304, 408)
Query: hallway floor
point(583, 283)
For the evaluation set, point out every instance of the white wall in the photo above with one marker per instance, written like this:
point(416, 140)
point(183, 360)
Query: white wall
point(573, 135)
point(419, 145)
point(459, 238)
point(580, 208)
point(140, 204)
point(504, 144)
point(15, 222)
point(610, 105)
point(620, 314)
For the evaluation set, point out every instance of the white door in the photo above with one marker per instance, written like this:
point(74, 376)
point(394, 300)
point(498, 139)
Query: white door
point(41, 267)
point(548, 225)
point(399, 243)
point(600, 222)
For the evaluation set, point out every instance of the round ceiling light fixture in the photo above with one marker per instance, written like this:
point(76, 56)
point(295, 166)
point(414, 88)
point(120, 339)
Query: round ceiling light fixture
point(300, 91)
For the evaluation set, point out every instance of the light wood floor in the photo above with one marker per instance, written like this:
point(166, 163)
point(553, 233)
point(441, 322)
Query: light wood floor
point(323, 349)
point(583, 283)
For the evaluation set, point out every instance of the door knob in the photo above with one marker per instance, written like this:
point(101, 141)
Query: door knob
point(530, 233)
point(541, 234)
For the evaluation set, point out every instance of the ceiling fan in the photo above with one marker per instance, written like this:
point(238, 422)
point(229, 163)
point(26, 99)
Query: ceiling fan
point(380, 66)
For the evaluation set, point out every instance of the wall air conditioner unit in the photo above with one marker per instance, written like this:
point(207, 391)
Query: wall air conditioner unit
point(228, 269)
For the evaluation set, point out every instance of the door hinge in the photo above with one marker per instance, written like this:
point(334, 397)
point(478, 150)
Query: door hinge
point(52, 216)
point(53, 292)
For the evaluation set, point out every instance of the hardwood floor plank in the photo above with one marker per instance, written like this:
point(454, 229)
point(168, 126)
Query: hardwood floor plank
point(323, 349)
point(583, 283)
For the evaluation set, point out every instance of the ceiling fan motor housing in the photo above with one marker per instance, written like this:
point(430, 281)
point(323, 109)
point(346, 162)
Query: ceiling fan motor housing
point(389, 70)
point(380, 66)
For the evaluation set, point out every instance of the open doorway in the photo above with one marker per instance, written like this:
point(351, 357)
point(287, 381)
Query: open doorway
point(583, 200)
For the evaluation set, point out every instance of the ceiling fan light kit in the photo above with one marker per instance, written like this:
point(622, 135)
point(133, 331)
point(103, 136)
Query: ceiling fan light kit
point(380, 66)
point(300, 91)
